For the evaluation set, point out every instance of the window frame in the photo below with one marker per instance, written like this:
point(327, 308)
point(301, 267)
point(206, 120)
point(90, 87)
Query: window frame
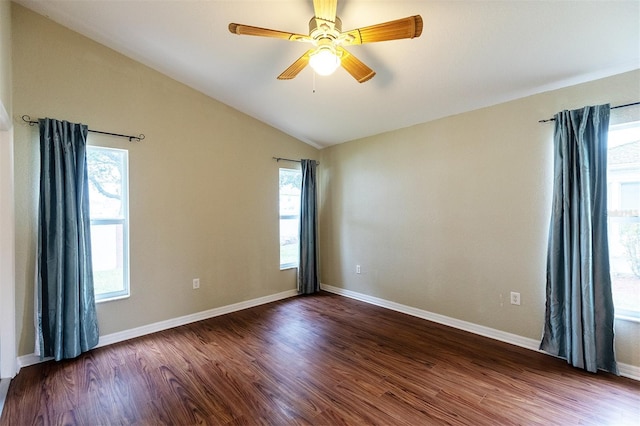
point(614, 192)
point(124, 221)
point(289, 265)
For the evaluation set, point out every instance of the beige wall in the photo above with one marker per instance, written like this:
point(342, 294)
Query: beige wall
point(452, 215)
point(203, 185)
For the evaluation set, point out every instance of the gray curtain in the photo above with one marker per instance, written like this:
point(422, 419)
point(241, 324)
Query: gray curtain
point(308, 281)
point(66, 321)
point(579, 309)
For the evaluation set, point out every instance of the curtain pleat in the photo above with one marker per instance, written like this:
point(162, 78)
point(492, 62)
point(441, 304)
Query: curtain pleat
point(66, 320)
point(579, 308)
point(308, 281)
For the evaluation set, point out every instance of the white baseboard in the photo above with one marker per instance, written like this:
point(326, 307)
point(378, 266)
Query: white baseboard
point(109, 339)
point(626, 370)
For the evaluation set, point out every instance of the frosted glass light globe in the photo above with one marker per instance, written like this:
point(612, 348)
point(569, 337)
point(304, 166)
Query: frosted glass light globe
point(324, 61)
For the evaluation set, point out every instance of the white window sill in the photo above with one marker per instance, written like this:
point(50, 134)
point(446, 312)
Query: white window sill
point(111, 299)
point(630, 318)
point(287, 267)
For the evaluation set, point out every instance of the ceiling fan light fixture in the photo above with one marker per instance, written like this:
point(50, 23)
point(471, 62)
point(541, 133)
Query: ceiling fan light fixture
point(324, 60)
point(325, 33)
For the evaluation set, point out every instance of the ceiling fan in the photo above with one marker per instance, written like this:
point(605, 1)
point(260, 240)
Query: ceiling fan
point(328, 39)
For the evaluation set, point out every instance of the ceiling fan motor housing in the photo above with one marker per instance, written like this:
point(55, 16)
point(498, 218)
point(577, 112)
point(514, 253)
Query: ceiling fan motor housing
point(322, 29)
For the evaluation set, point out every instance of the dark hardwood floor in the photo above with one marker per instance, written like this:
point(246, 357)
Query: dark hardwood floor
point(322, 360)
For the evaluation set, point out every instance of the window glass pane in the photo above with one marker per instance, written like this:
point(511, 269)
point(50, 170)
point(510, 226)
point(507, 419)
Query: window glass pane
point(630, 196)
point(290, 185)
point(108, 258)
point(623, 201)
point(108, 192)
point(105, 171)
point(289, 245)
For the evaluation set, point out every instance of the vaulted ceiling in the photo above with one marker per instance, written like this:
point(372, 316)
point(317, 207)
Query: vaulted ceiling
point(471, 54)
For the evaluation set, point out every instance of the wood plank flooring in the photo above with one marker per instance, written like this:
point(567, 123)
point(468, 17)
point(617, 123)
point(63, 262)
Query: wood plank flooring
point(320, 360)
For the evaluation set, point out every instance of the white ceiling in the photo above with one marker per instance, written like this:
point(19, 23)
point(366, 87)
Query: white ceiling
point(472, 53)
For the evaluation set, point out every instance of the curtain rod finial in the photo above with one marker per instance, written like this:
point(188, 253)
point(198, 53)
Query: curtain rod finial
point(27, 119)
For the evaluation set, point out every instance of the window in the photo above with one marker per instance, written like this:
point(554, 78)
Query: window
point(108, 198)
point(623, 199)
point(290, 184)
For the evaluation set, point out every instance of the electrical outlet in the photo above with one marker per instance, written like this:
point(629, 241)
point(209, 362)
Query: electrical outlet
point(357, 269)
point(515, 298)
point(196, 283)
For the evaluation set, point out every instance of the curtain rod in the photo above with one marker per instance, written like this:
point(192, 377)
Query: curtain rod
point(138, 138)
point(615, 107)
point(278, 159)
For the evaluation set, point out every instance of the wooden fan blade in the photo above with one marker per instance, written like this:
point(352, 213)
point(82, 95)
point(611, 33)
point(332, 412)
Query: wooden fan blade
point(325, 9)
point(409, 27)
point(355, 66)
point(265, 32)
point(296, 67)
